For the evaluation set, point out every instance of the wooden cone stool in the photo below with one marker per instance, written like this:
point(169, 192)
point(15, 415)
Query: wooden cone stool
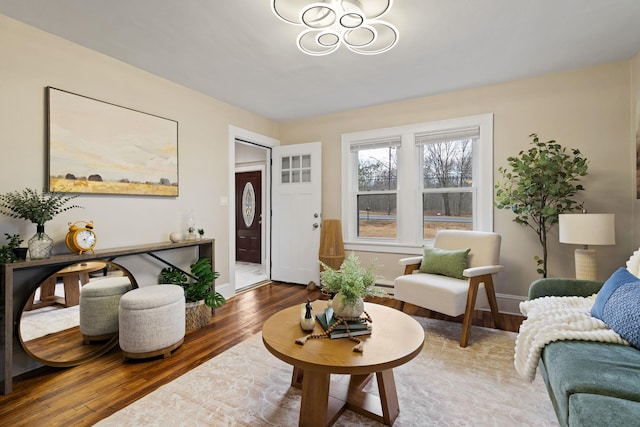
point(331, 245)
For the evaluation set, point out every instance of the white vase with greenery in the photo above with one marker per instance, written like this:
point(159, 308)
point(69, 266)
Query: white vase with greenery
point(38, 208)
point(350, 284)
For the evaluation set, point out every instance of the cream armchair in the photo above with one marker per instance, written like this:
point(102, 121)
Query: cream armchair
point(454, 296)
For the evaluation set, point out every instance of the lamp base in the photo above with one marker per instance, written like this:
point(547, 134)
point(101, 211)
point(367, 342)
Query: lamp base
point(586, 264)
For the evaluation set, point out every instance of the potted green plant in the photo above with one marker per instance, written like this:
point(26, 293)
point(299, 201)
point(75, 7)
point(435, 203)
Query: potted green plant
point(10, 252)
point(350, 284)
point(540, 185)
point(199, 292)
point(38, 208)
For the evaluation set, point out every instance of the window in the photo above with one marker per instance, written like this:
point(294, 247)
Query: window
point(447, 179)
point(376, 195)
point(403, 184)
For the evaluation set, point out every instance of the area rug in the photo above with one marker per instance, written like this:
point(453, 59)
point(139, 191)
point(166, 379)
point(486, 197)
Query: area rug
point(48, 320)
point(443, 386)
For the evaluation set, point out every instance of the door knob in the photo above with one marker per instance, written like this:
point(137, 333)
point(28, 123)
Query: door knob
point(315, 225)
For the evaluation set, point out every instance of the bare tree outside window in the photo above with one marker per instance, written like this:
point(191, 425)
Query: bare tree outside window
point(377, 186)
point(447, 180)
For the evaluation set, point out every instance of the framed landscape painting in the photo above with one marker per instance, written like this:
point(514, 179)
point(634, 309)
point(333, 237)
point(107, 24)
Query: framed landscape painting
point(101, 148)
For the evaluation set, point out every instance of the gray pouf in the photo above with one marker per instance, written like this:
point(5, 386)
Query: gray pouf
point(99, 302)
point(152, 321)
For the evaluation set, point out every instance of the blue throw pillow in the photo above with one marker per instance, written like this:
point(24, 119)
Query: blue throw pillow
point(621, 312)
point(617, 279)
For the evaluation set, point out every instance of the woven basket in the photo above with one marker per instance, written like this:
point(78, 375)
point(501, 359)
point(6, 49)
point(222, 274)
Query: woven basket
point(197, 315)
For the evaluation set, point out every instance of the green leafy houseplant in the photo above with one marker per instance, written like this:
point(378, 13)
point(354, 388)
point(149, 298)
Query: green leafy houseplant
point(199, 287)
point(7, 251)
point(352, 280)
point(539, 185)
point(33, 206)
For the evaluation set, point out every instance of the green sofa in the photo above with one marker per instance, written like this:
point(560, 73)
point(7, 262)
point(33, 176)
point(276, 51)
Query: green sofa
point(589, 383)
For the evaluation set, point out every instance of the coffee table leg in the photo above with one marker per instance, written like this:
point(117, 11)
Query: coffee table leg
point(315, 399)
point(383, 408)
point(296, 378)
point(388, 396)
point(71, 290)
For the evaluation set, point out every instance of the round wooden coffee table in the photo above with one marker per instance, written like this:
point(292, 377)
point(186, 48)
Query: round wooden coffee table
point(396, 339)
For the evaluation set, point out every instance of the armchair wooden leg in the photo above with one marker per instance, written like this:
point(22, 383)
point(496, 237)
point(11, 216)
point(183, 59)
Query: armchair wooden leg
point(474, 282)
point(493, 302)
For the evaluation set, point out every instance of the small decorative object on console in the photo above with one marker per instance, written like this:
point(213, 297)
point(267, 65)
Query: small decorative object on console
point(81, 238)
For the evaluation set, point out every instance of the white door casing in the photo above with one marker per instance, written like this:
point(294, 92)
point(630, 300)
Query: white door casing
point(296, 212)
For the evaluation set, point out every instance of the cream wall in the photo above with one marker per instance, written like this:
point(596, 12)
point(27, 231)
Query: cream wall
point(32, 60)
point(588, 109)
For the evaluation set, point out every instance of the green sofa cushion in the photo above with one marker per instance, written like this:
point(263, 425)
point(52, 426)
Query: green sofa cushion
point(595, 410)
point(574, 367)
point(449, 263)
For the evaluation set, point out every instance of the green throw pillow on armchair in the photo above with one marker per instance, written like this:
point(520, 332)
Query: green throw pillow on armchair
point(449, 263)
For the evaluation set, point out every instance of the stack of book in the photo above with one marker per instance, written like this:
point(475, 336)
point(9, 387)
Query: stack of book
point(356, 327)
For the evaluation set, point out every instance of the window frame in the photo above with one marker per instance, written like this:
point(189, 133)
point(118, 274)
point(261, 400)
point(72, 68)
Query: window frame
point(409, 187)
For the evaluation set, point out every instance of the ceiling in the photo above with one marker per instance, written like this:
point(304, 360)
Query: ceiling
point(238, 52)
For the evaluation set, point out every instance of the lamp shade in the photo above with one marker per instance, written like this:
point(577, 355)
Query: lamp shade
point(587, 229)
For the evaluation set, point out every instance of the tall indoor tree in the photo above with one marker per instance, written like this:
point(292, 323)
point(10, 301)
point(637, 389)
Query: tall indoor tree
point(539, 185)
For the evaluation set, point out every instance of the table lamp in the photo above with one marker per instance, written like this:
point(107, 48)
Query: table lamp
point(587, 229)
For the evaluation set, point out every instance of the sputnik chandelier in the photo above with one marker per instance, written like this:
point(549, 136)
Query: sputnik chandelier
point(329, 23)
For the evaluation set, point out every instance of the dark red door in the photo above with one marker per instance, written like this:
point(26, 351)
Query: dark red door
point(248, 217)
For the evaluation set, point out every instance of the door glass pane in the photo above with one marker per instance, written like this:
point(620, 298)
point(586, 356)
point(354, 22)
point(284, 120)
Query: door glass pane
point(248, 204)
point(296, 169)
point(451, 210)
point(377, 216)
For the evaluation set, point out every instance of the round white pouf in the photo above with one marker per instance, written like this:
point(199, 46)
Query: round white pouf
point(152, 321)
point(99, 302)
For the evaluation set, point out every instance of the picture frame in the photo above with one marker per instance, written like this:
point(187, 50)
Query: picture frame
point(96, 147)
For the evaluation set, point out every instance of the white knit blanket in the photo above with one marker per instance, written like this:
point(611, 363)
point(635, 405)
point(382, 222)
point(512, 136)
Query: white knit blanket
point(556, 318)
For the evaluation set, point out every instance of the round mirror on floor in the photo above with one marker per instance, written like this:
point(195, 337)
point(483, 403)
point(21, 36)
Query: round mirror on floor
point(71, 317)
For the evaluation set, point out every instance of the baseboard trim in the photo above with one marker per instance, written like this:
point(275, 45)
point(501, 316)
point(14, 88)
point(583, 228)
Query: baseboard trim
point(226, 290)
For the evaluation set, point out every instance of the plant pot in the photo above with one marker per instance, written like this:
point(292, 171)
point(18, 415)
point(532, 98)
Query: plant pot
point(197, 315)
point(21, 253)
point(343, 309)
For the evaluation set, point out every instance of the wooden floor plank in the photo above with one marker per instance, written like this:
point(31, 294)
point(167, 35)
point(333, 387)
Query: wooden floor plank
point(85, 394)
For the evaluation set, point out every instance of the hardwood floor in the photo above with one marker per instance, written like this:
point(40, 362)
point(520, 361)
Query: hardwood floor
point(85, 394)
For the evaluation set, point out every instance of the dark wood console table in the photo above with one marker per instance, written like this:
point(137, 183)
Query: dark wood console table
point(19, 279)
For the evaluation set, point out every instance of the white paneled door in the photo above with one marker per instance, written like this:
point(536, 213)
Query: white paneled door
point(296, 216)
